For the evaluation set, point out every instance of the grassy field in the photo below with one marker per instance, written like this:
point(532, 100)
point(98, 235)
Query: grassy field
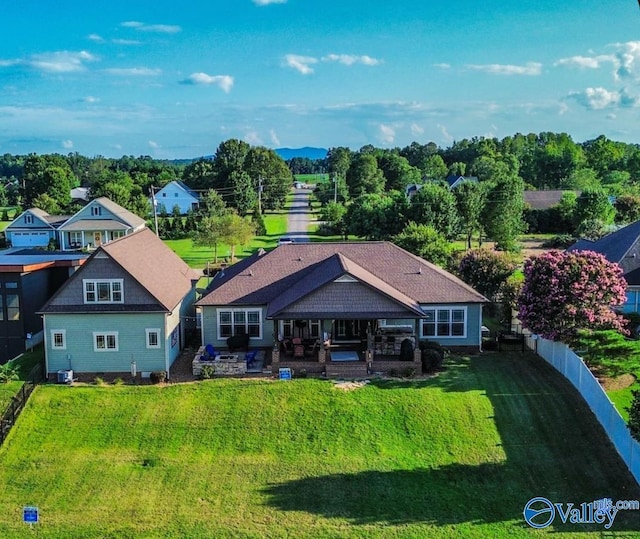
point(622, 399)
point(197, 257)
point(312, 178)
point(457, 455)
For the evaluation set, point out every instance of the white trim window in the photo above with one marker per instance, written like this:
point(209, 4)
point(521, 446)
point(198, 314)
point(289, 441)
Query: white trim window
point(28, 219)
point(152, 337)
point(233, 322)
point(448, 322)
point(103, 290)
point(75, 238)
point(105, 341)
point(58, 339)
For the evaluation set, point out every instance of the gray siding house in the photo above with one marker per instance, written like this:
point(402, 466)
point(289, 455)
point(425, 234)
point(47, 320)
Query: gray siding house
point(132, 301)
point(367, 296)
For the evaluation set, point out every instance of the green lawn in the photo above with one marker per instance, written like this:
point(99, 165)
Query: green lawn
point(622, 399)
point(454, 456)
point(197, 257)
point(312, 178)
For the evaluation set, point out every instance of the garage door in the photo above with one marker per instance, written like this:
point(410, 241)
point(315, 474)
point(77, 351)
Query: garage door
point(29, 239)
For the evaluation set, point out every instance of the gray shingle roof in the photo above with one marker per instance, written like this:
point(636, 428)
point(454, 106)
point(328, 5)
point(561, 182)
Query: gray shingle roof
point(292, 272)
point(156, 267)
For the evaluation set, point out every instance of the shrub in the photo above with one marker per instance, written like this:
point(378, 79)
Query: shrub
point(118, 381)
point(561, 241)
point(393, 373)
point(302, 373)
point(409, 372)
point(158, 377)
point(432, 355)
point(98, 381)
point(8, 373)
point(207, 372)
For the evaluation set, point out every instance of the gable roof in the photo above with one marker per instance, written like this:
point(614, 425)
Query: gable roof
point(150, 262)
point(290, 272)
point(154, 265)
point(119, 213)
point(454, 180)
point(48, 221)
point(613, 246)
point(545, 199)
point(180, 186)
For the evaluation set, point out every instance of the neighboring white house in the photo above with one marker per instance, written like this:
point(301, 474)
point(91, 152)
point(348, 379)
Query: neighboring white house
point(176, 193)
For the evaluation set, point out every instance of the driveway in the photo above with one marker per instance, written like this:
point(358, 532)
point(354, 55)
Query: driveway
point(299, 216)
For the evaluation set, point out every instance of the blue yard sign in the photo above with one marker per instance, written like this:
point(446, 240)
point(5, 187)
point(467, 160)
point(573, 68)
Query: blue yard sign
point(285, 374)
point(30, 514)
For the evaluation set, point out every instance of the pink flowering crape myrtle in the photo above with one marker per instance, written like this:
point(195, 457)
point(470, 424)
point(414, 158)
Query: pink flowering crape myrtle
point(564, 292)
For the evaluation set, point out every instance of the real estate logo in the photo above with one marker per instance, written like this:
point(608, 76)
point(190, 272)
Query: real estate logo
point(540, 512)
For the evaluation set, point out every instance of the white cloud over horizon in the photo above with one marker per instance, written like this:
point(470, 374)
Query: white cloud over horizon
point(529, 69)
point(224, 82)
point(157, 28)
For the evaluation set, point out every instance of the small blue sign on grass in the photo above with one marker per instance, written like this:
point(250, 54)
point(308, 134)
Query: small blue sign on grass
point(285, 373)
point(30, 514)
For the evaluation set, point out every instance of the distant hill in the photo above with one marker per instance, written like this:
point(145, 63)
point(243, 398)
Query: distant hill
point(309, 153)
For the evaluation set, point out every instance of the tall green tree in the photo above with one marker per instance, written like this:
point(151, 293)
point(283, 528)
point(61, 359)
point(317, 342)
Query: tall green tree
point(502, 218)
point(364, 176)
point(374, 217)
point(435, 205)
point(50, 174)
point(426, 242)
point(397, 171)
point(470, 199)
point(270, 171)
point(594, 204)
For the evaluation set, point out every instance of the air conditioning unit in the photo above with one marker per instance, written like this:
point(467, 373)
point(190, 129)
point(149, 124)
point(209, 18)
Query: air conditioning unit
point(65, 377)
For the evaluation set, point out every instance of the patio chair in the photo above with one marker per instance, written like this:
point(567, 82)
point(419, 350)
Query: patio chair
point(210, 352)
point(250, 357)
point(298, 351)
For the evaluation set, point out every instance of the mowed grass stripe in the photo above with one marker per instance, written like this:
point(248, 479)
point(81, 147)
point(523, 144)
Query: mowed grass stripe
point(457, 455)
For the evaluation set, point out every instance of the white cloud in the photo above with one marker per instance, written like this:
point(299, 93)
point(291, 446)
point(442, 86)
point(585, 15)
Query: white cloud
point(126, 41)
point(386, 134)
point(442, 66)
point(253, 138)
point(225, 82)
point(445, 133)
point(601, 98)
point(153, 144)
point(91, 99)
point(157, 28)
point(134, 71)
point(95, 37)
point(531, 68)
point(584, 62)
point(416, 130)
point(59, 62)
point(350, 59)
point(300, 63)
point(268, 2)
point(67, 144)
point(274, 137)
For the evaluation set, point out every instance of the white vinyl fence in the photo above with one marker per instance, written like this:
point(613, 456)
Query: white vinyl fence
point(573, 368)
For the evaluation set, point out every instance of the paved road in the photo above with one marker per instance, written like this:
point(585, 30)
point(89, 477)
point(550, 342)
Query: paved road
point(299, 216)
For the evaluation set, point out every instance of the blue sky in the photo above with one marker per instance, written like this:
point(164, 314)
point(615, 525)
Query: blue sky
point(174, 79)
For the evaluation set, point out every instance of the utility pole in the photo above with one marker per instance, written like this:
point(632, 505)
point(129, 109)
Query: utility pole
point(260, 195)
point(335, 188)
point(154, 202)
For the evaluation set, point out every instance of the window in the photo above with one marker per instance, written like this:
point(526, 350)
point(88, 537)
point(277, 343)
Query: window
point(11, 284)
point(106, 341)
point(115, 234)
point(75, 238)
point(106, 291)
point(13, 307)
point(153, 338)
point(239, 322)
point(96, 210)
point(444, 322)
point(28, 219)
point(164, 194)
point(58, 339)
point(288, 329)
